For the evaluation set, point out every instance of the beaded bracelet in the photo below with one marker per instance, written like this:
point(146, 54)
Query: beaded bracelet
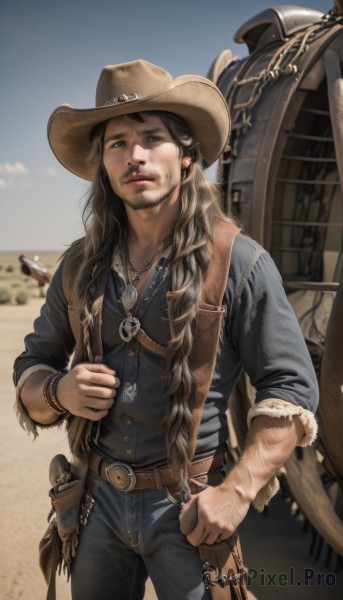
point(49, 393)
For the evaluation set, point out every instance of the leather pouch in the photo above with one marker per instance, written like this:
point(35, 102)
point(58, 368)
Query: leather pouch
point(71, 505)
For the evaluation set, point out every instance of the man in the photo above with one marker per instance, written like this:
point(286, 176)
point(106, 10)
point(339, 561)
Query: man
point(140, 277)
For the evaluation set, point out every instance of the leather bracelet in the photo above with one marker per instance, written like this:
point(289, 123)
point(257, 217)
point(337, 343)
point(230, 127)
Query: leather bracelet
point(49, 393)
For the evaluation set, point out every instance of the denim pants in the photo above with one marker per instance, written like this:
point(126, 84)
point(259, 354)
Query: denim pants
point(128, 537)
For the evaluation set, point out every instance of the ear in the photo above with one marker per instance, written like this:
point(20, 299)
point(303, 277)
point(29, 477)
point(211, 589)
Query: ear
point(185, 162)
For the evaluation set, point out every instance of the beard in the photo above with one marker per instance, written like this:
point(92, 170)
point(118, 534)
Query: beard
point(140, 203)
point(146, 203)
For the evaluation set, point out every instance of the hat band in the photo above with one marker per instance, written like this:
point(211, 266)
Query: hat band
point(122, 98)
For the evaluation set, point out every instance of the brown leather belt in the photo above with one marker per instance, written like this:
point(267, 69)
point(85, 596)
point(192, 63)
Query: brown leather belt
point(123, 477)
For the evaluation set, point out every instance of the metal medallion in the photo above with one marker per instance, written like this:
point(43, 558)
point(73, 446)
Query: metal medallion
point(128, 328)
point(129, 297)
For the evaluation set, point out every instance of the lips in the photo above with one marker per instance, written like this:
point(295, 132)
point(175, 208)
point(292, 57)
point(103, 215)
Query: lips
point(139, 177)
point(134, 174)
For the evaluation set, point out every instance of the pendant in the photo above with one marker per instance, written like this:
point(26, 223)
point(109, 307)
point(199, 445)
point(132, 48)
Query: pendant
point(128, 328)
point(129, 297)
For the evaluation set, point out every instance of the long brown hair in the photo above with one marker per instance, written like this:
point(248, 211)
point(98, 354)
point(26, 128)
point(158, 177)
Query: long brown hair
point(105, 223)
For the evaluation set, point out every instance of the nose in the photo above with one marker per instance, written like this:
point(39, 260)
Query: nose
point(136, 155)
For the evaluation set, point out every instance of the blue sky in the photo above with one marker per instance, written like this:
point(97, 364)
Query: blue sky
point(53, 52)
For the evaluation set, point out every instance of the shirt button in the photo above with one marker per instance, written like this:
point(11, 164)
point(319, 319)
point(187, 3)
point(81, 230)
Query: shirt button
point(132, 353)
point(127, 384)
point(128, 421)
point(128, 452)
point(126, 439)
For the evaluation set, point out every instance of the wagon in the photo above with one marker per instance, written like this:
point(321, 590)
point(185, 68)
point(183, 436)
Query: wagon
point(281, 176)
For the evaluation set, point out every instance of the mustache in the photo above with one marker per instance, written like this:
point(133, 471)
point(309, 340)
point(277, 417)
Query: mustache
point(137, 171)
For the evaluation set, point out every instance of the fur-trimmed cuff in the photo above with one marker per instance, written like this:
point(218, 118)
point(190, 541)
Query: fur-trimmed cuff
point(281, 408)
point(276, 408)
point(23, 416)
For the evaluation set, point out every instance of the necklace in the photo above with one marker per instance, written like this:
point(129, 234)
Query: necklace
point(130, 326)
point(145, 268)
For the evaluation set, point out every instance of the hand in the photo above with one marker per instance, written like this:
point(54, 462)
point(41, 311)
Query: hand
point(88, 390)
point(212, 515)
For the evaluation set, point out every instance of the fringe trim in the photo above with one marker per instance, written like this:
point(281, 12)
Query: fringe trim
point(276, 408)
point(57, 551)
point(81, 432)
point(69, 546)
point(266, 494)
point(50, 552)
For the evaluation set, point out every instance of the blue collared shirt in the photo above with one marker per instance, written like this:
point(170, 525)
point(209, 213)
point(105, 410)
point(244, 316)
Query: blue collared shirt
point(260, 335)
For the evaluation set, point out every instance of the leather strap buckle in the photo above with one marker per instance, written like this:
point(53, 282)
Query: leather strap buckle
point(121, 476)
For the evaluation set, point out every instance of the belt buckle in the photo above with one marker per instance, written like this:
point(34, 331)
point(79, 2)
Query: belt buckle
point(121, 476)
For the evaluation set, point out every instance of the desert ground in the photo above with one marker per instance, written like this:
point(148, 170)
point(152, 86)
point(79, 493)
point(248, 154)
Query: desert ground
point(275, 546)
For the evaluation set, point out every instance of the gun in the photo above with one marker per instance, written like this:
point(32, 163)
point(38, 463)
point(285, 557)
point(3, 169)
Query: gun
point(30, 266)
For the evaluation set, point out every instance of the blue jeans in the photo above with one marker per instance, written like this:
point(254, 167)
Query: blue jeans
point(128, 537)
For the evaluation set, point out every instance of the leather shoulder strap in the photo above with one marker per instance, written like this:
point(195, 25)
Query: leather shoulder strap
point(218, 272)
point(213, 291)
point(210, 316)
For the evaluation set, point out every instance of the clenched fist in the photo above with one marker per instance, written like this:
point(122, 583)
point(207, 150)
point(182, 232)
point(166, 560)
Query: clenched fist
point(88, 390)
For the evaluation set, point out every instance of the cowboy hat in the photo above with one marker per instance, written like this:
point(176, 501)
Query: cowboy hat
point(140, 86)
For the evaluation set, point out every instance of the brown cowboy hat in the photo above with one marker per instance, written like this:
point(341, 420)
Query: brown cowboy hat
point(136, 87)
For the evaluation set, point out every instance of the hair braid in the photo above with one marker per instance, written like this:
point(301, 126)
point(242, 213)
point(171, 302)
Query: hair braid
point(189, 265)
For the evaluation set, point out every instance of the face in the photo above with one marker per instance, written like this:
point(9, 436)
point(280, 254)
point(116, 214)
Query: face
point(142, 161)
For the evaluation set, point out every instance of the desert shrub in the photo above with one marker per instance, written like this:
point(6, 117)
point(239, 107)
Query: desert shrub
point(10, 269)
point(5, 296)
point(22, 297)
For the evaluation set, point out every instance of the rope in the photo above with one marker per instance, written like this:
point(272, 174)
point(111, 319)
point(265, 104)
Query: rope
point(282, 63)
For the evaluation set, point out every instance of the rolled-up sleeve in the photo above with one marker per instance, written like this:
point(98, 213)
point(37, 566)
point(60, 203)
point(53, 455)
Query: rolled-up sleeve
point(269, 340)
point(48, 347)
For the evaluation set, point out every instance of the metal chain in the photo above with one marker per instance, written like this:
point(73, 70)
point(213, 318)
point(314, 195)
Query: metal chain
point(138, 272)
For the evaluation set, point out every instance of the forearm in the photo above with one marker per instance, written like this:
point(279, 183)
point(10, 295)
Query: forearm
point(270, 441)
point(33, 399)
point(218, 511)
